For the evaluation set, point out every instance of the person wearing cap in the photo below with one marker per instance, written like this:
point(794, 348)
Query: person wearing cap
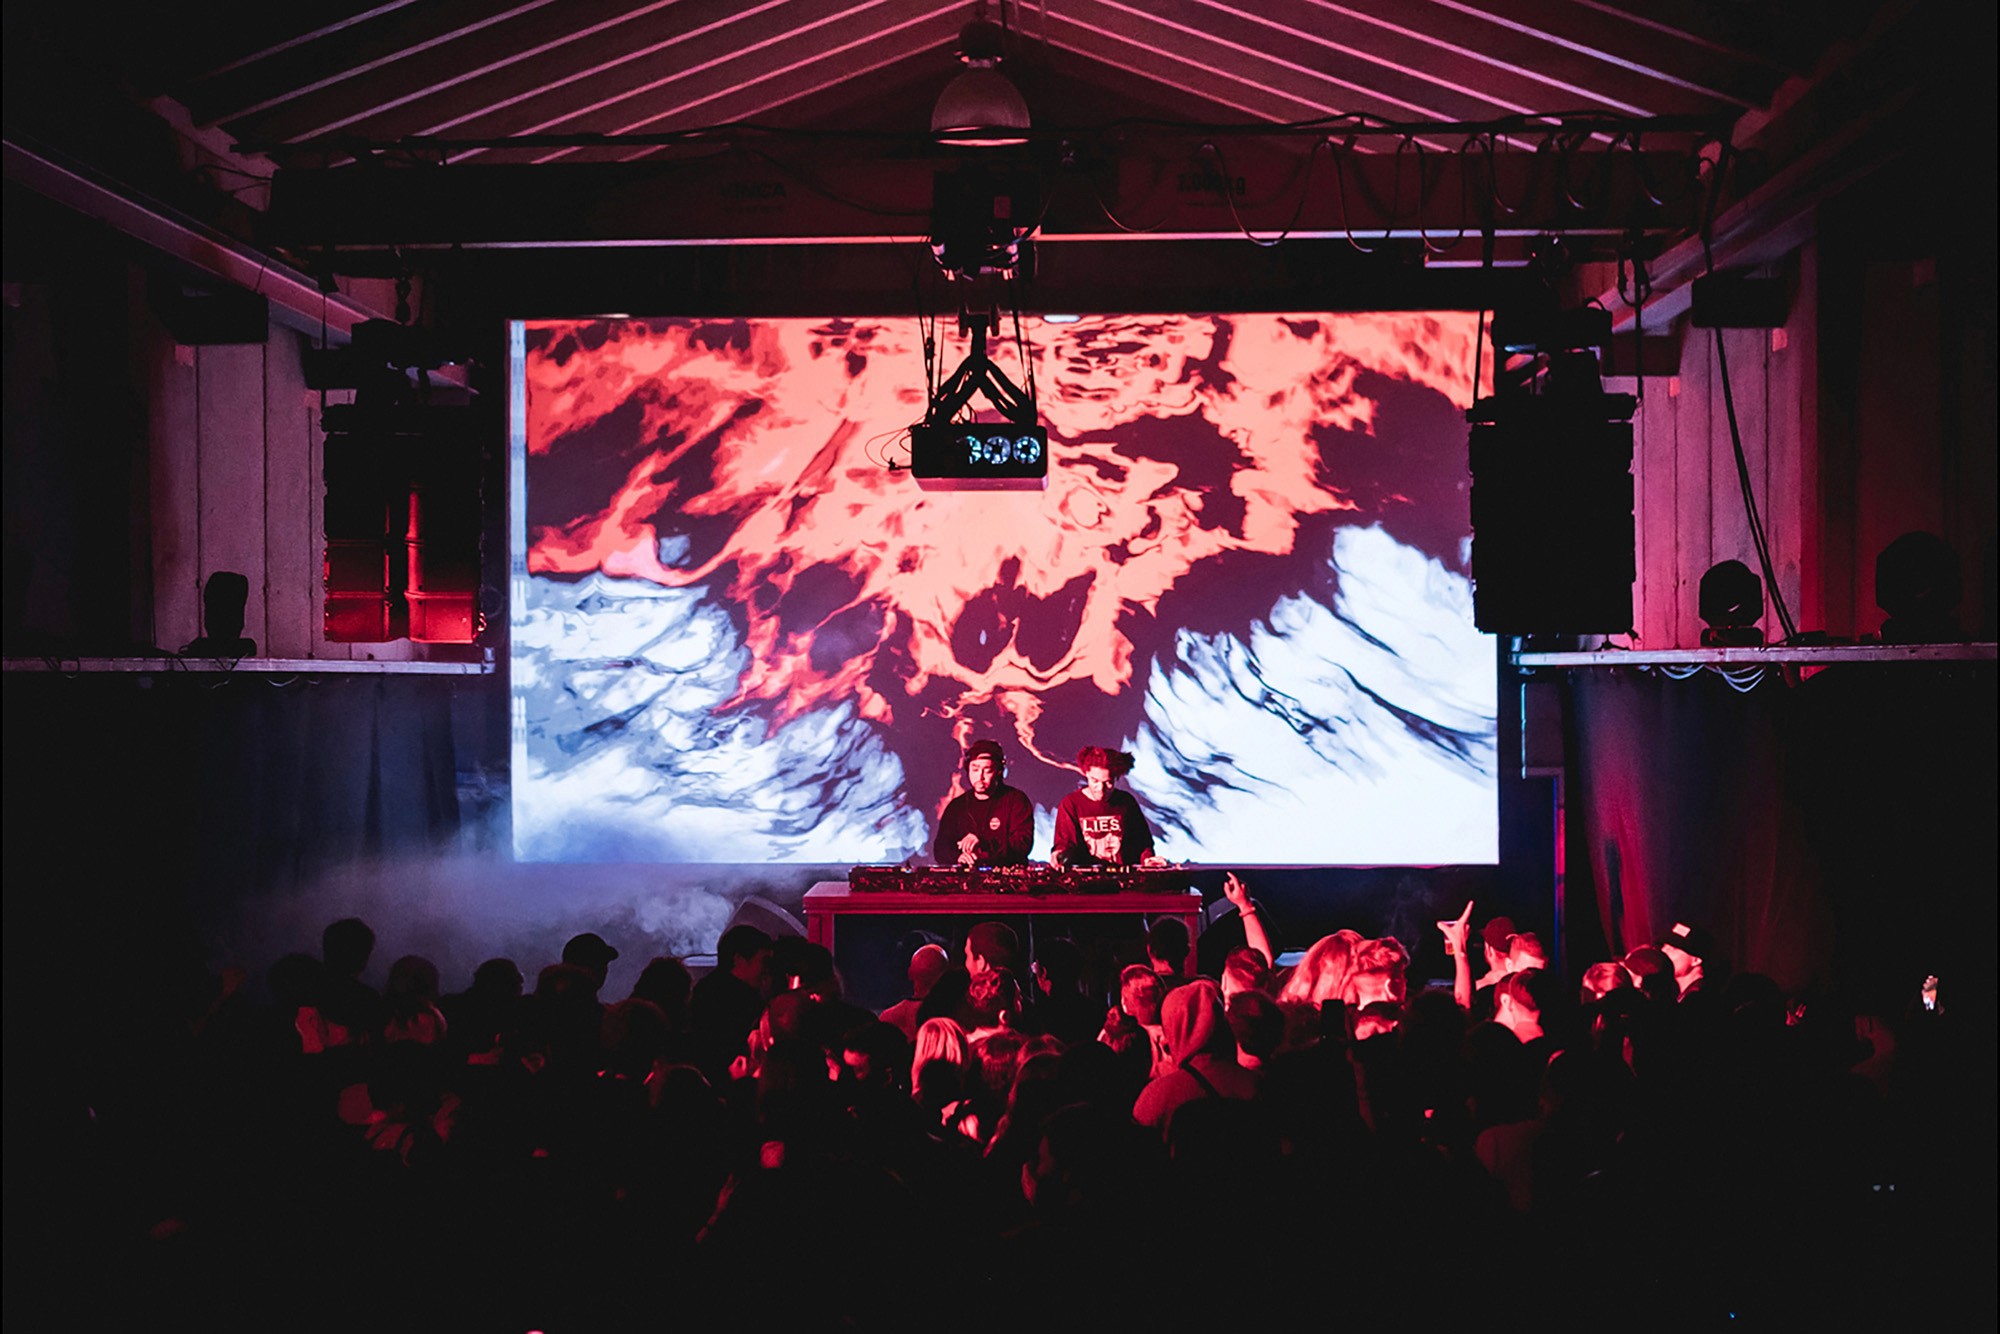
point(988, 824)
point(1687, 946)
point(1652, 973)
point(590, 952)
point(1496, 940)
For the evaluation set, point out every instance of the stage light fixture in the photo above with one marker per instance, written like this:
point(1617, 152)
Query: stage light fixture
point(981, 108)
point(950, 453)
point(1918, 583)
point(981, 223)
point(225, 598)
point(1731, 602)
point(979, 456)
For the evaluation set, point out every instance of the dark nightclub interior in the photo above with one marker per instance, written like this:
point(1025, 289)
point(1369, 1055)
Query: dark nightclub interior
point(832, 665)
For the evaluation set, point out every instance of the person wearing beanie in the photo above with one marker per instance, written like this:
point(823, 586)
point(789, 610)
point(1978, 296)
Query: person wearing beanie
point(988, 824)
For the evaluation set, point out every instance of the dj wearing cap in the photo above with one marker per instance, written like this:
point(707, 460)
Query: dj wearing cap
point(989, 824)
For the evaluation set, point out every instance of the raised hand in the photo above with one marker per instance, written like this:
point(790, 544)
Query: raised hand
point(1457, 930)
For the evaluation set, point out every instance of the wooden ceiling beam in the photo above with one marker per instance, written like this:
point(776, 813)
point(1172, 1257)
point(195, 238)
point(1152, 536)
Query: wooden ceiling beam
point(1169, 188)
point(497, 62)
point(348, 52)
point(1593, 43)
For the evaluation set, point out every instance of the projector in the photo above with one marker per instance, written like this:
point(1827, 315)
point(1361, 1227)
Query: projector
point(980, 456)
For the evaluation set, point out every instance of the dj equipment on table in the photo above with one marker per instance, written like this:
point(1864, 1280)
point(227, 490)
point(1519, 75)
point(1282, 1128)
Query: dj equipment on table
point(1033, 878)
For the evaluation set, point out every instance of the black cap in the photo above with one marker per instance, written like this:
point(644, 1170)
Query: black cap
point(588, 950)
point(991, 748)
point(1690, 940)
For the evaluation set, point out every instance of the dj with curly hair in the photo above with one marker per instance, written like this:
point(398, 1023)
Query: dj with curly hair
point(1099, 825)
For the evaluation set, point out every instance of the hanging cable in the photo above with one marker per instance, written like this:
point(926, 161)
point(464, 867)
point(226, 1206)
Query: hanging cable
point(1479, 336)
point(1464, 206)
point(1021, 349)
point(1298, 208)
point(1750, 499)
point(1347, 225)
point(1111, 216)
point(1742, 680)
point(1493, 177)
point(1755, 520)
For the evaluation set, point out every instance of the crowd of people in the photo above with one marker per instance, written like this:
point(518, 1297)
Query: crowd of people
point(1019, 1143)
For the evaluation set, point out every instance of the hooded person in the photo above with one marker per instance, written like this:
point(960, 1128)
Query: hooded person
point(1202, 1048)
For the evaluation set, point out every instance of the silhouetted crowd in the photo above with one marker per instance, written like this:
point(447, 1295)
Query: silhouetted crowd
point(1022, 1145)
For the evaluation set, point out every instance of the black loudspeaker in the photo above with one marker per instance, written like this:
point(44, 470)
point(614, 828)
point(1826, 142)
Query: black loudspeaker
point(446, 521)
point(1553, 537)
point(199, 315)
point(404, 519)
point(365, 493)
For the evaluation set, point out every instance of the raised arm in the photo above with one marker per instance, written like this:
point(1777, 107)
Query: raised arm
point(1254, 934)
point(1455, 934)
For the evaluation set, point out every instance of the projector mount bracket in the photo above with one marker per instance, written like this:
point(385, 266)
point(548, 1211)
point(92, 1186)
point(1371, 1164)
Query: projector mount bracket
point(979, 375)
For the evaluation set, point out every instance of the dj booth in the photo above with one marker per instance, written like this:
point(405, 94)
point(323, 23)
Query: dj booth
point(1001, 891)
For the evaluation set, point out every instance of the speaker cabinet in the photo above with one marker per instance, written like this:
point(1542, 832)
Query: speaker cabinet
point(1553, 536)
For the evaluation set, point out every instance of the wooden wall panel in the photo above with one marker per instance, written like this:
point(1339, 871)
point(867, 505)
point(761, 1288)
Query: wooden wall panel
point(172, 425)
point(1690, 502)
point(1694, 500)
point(1729, 523)
point(229, 470)
point(1972, 460)
point(291, 540)
point(236, 484)
point(1900, 477)
point(1787, 465)
point(1655, 476)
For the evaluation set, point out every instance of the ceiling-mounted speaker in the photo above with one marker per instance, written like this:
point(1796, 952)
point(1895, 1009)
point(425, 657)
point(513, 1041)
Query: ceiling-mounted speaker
point(200, 315)
point(1553, 535)
point(1732, 301)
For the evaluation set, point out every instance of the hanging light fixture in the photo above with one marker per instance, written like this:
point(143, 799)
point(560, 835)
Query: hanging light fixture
point(981, 108)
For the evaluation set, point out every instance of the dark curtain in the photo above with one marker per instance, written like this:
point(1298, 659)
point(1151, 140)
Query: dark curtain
point(1837, 832)
point(140, 809)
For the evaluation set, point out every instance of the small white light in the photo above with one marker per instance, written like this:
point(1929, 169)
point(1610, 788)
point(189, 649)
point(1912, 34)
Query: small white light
point(1060, 319)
